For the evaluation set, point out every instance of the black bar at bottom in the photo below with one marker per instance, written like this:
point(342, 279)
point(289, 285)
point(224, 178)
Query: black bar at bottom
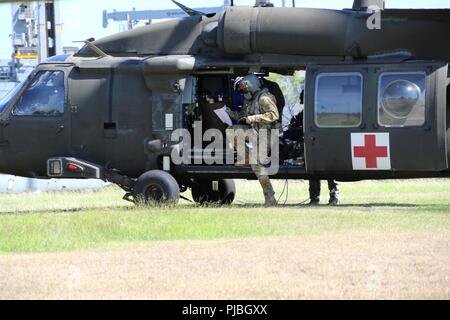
point(228, 309)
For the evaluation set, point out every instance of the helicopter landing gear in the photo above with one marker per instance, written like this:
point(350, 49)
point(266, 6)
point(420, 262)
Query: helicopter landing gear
point(156, 187)
point(213, 192)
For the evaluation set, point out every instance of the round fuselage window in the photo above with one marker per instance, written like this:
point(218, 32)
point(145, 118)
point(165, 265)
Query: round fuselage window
point(400, 97)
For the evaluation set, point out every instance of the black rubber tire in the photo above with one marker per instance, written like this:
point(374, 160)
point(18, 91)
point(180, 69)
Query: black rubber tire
point(202, 192)
point(156, 187)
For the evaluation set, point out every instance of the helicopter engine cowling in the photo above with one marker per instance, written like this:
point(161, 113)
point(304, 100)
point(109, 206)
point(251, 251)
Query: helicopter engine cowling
point(246, 30)
point(418, 34)
point(318, 32)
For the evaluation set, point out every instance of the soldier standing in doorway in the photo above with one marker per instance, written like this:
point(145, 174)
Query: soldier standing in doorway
point(260, 112)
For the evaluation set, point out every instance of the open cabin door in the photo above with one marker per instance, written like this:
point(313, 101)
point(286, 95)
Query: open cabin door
point(366, 119)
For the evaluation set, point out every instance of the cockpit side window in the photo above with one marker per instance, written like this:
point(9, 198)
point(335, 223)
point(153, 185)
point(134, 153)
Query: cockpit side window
point(44, 96)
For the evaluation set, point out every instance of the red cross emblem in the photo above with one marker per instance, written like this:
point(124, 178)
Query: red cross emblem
point(371, 151)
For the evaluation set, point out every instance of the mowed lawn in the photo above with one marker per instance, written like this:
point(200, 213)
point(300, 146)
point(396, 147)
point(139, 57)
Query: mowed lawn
point(67, 221)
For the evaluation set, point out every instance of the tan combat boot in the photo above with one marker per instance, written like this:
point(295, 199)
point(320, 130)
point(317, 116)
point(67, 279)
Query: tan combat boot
point(269, 193)
point(270, 200)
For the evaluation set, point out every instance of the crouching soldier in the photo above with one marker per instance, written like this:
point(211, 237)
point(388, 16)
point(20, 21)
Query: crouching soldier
point(260, 112)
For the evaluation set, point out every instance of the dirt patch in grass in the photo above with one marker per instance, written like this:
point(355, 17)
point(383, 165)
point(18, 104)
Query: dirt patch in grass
point(413, 265)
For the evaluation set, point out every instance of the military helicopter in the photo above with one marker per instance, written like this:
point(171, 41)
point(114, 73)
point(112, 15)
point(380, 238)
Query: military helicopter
point(376, 99)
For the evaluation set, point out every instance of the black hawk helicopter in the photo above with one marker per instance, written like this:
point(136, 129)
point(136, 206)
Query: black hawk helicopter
point(376, 99)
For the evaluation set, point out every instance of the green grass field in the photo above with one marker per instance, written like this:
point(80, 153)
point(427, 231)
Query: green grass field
point(66, 221)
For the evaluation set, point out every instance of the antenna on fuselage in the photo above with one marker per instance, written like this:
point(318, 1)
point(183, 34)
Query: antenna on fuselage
point(93, 47)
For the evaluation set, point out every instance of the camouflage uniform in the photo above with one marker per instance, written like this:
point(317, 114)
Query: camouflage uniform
point(263, 106)
point(263, 112)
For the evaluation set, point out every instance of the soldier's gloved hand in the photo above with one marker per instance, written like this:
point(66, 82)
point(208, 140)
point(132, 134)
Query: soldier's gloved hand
point(250, 119)
point(242, 121)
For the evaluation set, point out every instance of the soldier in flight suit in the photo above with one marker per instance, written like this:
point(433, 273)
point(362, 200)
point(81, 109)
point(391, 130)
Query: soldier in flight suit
point(260, 112)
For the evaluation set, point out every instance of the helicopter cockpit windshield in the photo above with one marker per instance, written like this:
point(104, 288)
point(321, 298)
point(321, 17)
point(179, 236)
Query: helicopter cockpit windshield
point(43, 97)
